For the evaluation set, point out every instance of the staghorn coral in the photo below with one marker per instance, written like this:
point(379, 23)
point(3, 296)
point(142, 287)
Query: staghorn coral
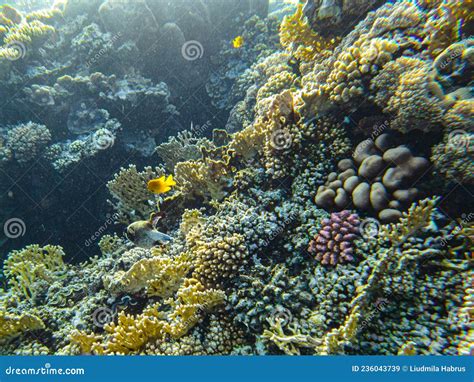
point(417, 217)
point(333, 244)
point(131, 199)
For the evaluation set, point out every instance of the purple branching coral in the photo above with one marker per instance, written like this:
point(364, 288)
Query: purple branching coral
point(334, 242)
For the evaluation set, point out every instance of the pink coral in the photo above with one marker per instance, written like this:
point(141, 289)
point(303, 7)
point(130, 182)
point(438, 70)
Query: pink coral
point(334, 242)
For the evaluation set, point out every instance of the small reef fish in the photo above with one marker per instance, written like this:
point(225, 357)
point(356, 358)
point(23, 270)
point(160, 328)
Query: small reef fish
point(238, 42)
point(161, 185)
point(143, 233)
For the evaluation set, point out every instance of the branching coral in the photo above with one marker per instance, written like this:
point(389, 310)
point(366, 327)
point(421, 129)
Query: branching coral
point(12, 325)
point(159, 275)
point(24, 267)
point(132, 201)
point(185, 146)
point(333, 244)
point(19, 31)
point(297, 36)
point(130, 333)
point(417, 217)
point(207, 179)
point(219, 260)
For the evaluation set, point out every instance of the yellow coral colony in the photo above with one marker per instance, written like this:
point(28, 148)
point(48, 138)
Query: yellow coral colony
point(297, 36)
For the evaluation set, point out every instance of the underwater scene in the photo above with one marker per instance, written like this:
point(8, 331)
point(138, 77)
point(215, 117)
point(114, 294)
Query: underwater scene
point(236, 177)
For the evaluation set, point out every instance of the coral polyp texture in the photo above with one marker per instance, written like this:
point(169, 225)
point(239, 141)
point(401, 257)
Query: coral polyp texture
point(334, 242)
point(318, 161)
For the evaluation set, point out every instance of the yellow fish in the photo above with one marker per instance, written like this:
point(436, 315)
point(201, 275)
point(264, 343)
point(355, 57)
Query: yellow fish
point(161, 185)
point(238, 42)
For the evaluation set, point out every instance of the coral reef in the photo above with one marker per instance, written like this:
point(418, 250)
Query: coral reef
point(323, 123)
